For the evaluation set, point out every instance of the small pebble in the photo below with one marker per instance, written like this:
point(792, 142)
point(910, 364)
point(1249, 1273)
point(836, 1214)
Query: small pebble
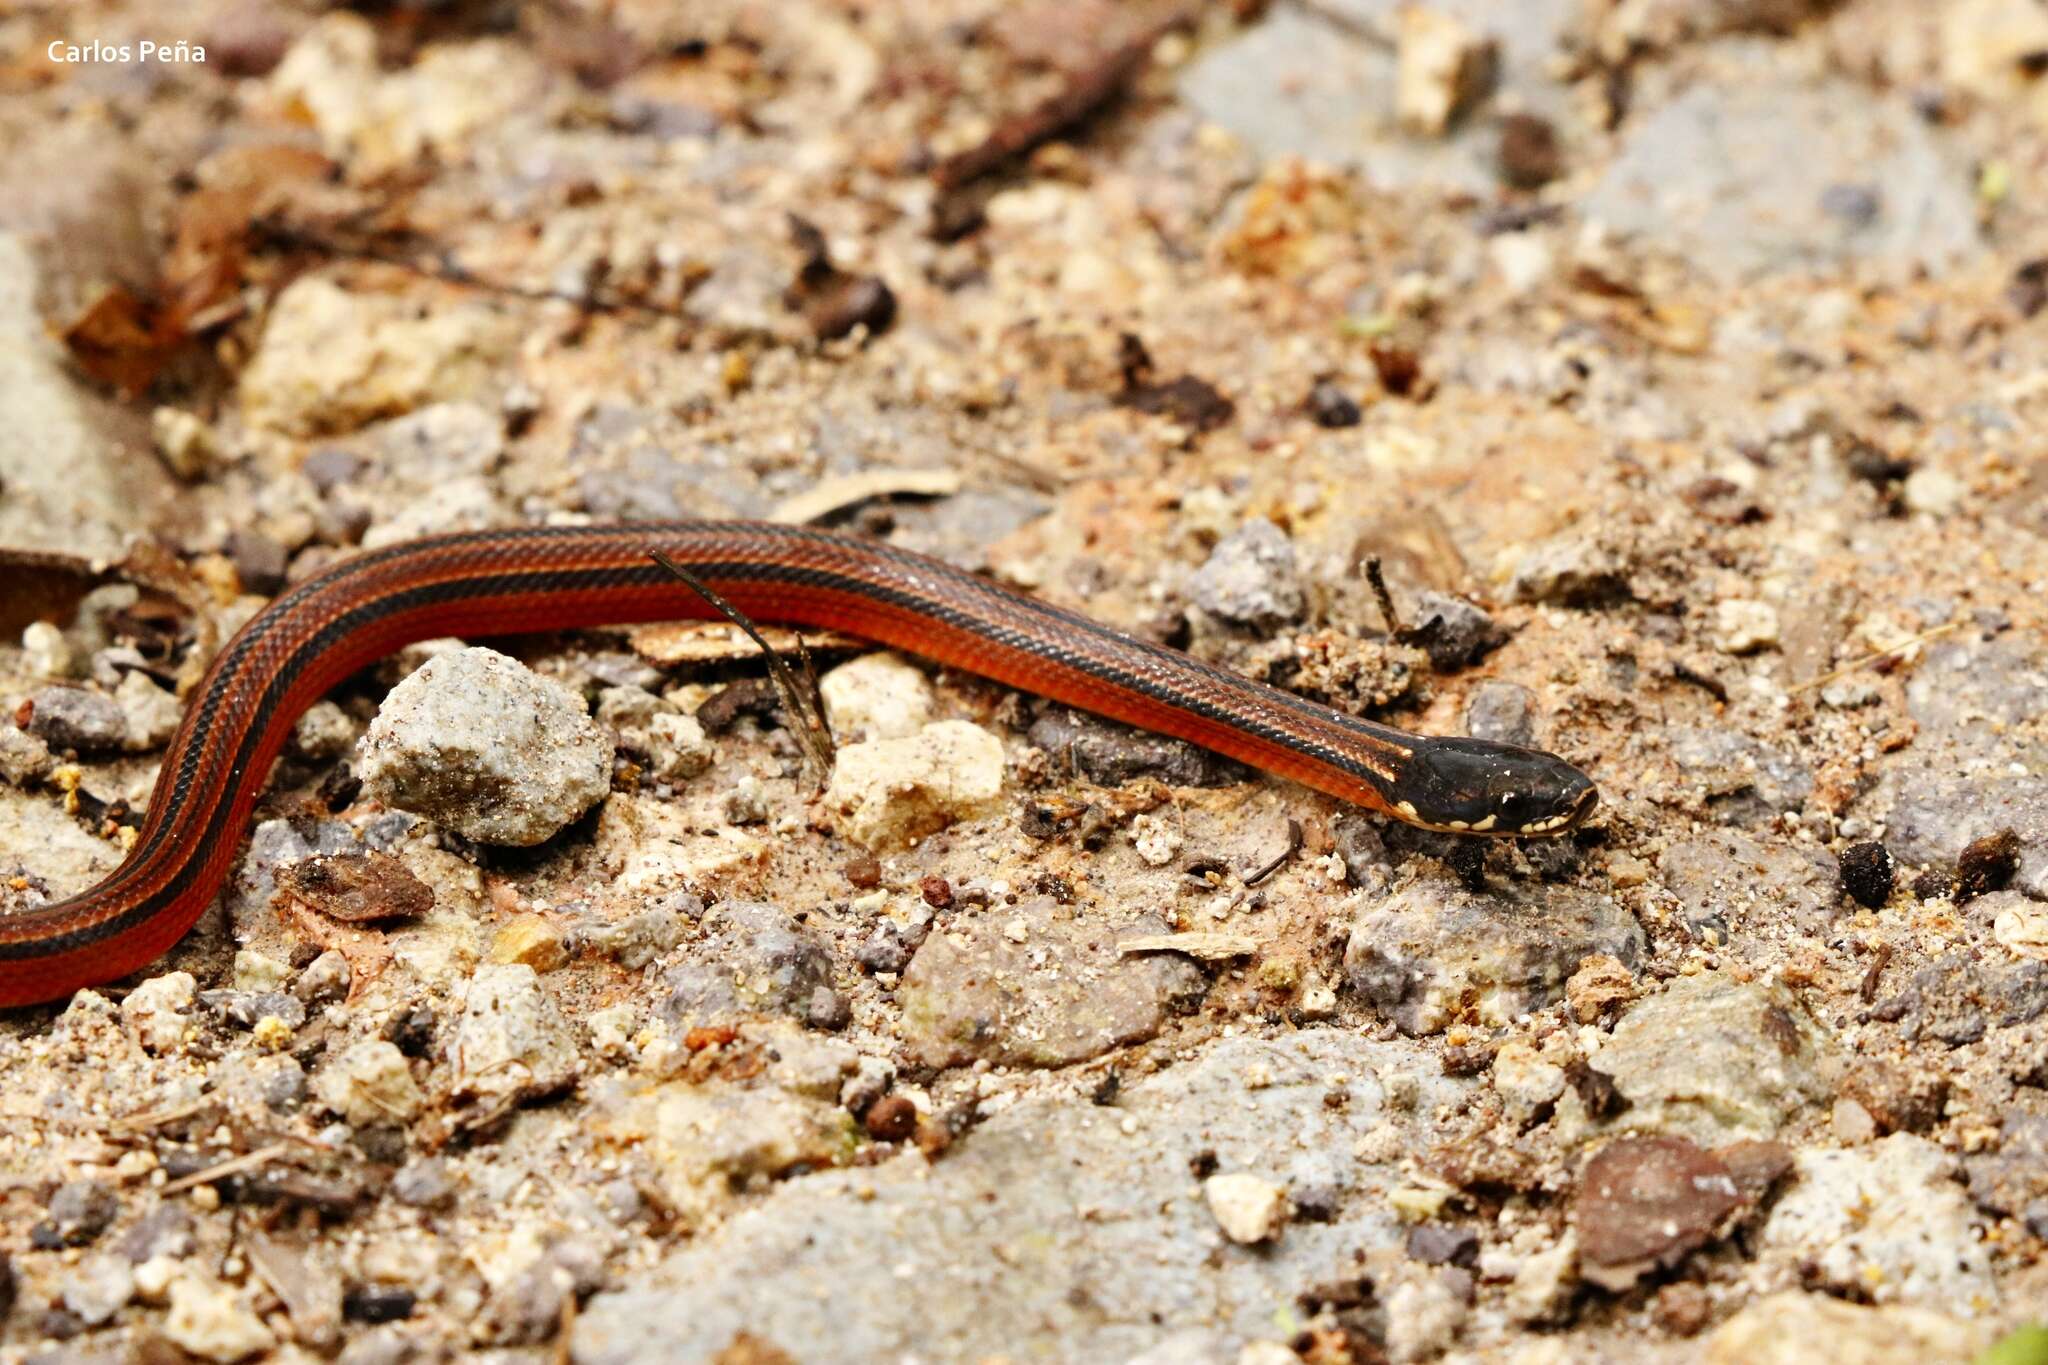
point(79, 1212)
point(73, 718)
point(892, 1118)
point(1250, 578)
point(1868, 873)
point(1247, 1207)
point(1330, 406)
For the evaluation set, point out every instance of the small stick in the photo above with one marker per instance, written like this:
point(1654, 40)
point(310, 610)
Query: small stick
point(1293, 847)
point(806, 706)
point(234, 1165)
point(1900, 648)
point(1378, 579)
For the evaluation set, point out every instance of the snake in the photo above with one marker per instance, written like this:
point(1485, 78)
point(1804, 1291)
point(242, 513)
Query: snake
point(546, 578)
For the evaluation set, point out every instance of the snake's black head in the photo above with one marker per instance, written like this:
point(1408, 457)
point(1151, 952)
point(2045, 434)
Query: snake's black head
point(1474, 786)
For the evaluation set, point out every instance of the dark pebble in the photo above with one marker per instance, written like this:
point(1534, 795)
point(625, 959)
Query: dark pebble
point(73, 718)
point(891, 1118)
point(354, 887)
point(864, 872)
point(859, 301)
point(339, 788)
point(10, 1287)
point(284, 1089)
point(1987, 865)
point(166, 1230)
point(828, 1010)
point(1855, 205)
point(411, 1031)
point(1317, 1203)
point(1111, 754)
point(1530, 154)
point(1454, 633)
point(2037, 1219)
point(1934, 884)
point(259, 562)
point(1681, 1308)
point(79, 1211)
point(1649, 1201)
point(1868, 874)
point(59, 1324)
point(378, 1303)
point(750, 697)
point(1330, 406)
point(1503, 712)
point(2028, 292)
point(937, 892)
point(884, 949)
point(1193, 402)
point(1436, 1244)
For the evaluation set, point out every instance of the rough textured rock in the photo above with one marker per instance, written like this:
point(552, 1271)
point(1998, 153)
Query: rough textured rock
point(511, 1040)
point(759, 961)
point(996, 1237)
point(877, 696)
point(1434, 952)
point(1742, 885)
point(1885, 1221)
point(888, 793)
point(77, 719)
point(1106, 752)
point(1961, 997)
point(1038, 984)
point(331, 360)
point(1250, 579)
point(1646, 1203)
point(2013, 1179)
point(1713, 1058)
point(1700, 176)
point(1793, 1329)
point(482, 744)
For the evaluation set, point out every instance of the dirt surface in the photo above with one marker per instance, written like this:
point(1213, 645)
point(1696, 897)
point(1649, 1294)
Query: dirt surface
point(1684, 364)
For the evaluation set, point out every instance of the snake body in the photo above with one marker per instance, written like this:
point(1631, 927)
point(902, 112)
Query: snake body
point(551, 578)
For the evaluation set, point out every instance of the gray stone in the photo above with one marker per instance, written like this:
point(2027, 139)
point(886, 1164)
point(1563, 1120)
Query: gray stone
point(1750, 887)
point(67, 458)
point(1250, 579)
point(1038, 984)
point(1319, 84)
point(1434, 951)
point(1056, 1230)
point(2013, 1178)
point(1455, 634)
point(483, 745)
point(73, 718)
point(1959, 998)
point(1503, 712)
point(512, 1041)
point(640, 936)
point(1745, 780)
point(758, 961)
point(1713, 1059)
point(1111, 754)
point(1729, 176)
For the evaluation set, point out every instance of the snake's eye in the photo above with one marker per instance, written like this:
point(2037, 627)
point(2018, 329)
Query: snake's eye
point(1486, 788)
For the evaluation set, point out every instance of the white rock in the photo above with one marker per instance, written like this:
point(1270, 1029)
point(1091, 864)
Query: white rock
point(151, 712)
point(207, 1319)
point(484, 745)
point(1423, 1317)
point(1885, 1222)
point(1267, 1353)
point(370, 1084)
point(99, 1287)
point(675, 744)
point(1523, 1078)
point(1157, 840)
point(512, 1039)
point(887, 793)
point(324, 732)
point(1443, 66)
point(1791, 1328)
point(877, 696)
point(49, 654)
point(184, 440)
point(1544, 1282)
point(2022, 929)
point(256, 971)
point(1744, 625)
point(1522, 259)
point(24, 758)
point(1247, 1207)
point(154, 1012)
point(1934, 491)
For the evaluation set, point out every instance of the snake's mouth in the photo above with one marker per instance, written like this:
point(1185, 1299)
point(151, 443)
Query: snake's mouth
point(1472, 786)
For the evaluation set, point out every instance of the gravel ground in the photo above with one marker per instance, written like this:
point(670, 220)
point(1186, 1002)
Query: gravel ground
point(1683, 363)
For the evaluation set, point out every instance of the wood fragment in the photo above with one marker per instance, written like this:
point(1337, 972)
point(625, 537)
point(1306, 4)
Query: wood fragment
point(1204, 947)
point(848, 490)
